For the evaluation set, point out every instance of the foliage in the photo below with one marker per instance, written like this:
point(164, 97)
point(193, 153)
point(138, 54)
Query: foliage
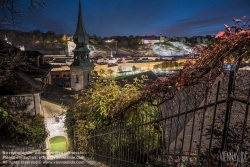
point(70, 124)
point(156, 66)
point(21, 129)
point(110, 72)
point(166, 64)
point(209, 60)
point(119, 134)
point(233, 45)
point(134, 68)
point(36, 40)
point(103, 106)
point(106, 102)
point(103, 103)
point(95, 40)
point(101, 72)
point(10, 59)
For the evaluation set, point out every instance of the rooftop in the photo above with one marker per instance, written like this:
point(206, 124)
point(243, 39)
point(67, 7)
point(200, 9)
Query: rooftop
point(60, 68)
point(58, 95)
point(21, 84)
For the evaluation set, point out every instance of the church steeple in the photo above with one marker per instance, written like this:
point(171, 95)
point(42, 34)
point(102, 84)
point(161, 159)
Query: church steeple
point(80, 69)
point(81, 39)
point(80, 26)
point(80, 33)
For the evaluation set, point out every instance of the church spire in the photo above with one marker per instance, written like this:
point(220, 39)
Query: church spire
point(80, 36)
point(81, 39)
point(81, 67)
point(80, 26)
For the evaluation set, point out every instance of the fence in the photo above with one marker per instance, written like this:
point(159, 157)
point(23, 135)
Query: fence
point(201, 125)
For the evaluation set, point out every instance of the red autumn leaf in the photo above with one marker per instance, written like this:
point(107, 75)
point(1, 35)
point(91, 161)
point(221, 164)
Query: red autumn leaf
point(238, 29)
point(227, 28)
point(220, 34)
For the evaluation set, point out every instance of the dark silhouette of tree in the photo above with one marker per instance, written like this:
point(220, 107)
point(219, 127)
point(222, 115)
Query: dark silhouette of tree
point(11, 14)
point(11, 58)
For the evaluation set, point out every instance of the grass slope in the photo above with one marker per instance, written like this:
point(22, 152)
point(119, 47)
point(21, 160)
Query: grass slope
point(58, 144)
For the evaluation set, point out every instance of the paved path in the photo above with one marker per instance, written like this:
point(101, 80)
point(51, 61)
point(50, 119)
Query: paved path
point(68, 160)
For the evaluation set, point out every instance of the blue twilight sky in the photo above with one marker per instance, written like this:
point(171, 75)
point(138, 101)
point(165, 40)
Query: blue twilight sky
point(136, 17)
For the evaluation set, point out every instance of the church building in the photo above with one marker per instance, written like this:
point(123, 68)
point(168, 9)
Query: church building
point(80, 69)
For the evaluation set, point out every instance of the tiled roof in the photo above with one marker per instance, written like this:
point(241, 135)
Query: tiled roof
point(22, 84)
point(60, 68)
point(58, 95)
point(20, 81)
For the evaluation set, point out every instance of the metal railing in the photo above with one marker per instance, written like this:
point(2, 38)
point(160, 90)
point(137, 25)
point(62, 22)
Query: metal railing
point(199, 126)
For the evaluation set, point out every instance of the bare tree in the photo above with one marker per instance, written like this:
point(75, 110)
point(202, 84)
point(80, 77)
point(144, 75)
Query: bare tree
point(11, 14)
point(11, 58)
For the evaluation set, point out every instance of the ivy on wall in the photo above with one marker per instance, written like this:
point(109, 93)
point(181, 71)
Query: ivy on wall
point(20, 129)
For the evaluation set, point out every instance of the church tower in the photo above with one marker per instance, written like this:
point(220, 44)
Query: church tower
point(81, 67)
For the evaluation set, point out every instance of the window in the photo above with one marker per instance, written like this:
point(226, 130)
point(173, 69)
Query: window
point(52, 74)
point(56, 74)
point(88, 77)
point(77, 79)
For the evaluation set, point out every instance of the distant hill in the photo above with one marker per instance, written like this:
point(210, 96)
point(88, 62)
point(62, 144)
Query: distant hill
point(52, 43)
point(159, 49)
point(171, 49)
point(36, 40)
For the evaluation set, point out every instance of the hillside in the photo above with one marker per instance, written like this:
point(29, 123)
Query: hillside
point(171, 49)
point(160, 49)
point(51, 43)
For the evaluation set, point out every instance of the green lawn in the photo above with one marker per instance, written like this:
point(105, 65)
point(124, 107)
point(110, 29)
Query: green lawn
point(58, 144)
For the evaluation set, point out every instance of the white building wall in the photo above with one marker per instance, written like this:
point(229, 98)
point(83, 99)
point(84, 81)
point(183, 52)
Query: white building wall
point(83, 78)
point(71, 46)
point(74, 72)
point(32, 102)
point(151, 41)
